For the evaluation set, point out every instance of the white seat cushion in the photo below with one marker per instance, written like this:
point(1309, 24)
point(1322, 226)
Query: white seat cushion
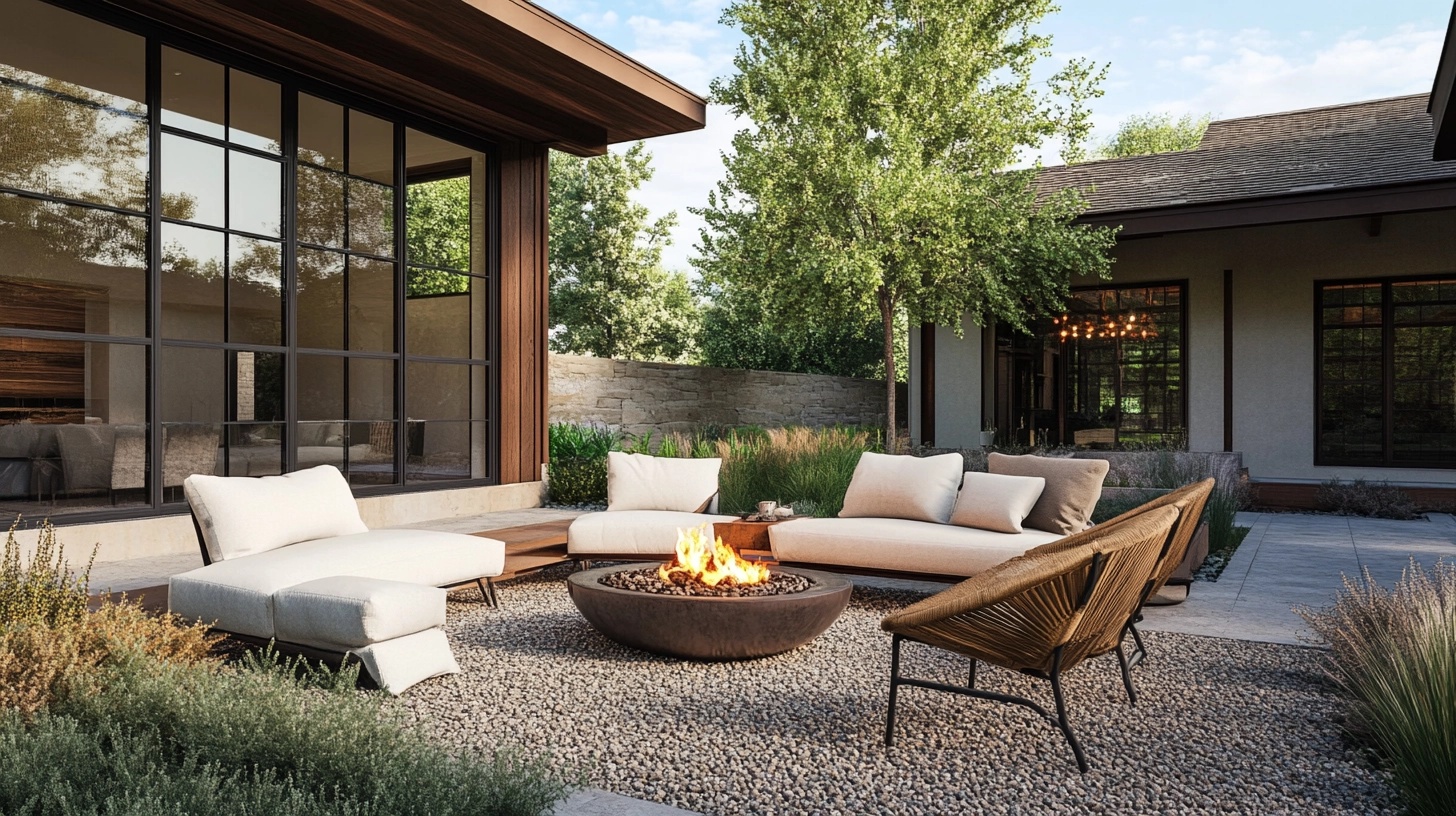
point(632, 532)
point(245, 516)
point(904, 487)
point(636, 481)
point(237, 594)
point(899, 544)
point(345, 612)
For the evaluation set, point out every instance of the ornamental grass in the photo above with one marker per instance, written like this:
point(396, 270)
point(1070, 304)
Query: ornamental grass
point(1393, 654)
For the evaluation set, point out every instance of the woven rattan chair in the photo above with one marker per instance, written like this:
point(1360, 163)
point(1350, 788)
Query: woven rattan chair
point(1040, 614)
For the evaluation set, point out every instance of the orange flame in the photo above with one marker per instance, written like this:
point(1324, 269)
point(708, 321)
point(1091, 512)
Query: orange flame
point(702, 558)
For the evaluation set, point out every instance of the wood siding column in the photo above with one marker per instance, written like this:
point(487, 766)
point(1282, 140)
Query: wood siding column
point(522, 312)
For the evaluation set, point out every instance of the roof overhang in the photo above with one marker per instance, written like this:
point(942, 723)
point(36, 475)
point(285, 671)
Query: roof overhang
point(501, 68)
point(1443, 94)
point(1259, 212)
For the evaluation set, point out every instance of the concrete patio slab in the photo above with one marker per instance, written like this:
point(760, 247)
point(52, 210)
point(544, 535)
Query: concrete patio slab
point(1291, 560)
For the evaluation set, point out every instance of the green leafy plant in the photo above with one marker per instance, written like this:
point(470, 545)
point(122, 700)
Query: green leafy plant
point(1361, 498)
point(1393, 654)
point(41, 589)
point(579, 461)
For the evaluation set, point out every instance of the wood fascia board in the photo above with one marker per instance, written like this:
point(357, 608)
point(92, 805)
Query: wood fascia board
point(1385, 200)
point(571, 42)
point(1443, 93)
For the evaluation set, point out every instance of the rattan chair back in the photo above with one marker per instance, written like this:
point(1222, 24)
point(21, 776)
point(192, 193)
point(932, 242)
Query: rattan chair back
point(1049, 604)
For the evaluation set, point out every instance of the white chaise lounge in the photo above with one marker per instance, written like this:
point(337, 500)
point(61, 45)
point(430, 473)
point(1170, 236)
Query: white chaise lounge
point(270, 543)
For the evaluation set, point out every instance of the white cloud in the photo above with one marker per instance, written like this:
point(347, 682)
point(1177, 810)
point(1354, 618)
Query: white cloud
point(688, 166)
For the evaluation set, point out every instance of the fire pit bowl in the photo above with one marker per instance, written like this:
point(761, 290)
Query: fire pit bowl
point(709, 628)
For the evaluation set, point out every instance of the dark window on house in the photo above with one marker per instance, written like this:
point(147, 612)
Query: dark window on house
point(1107, 373)
point(1386, 376)
point(164, 311)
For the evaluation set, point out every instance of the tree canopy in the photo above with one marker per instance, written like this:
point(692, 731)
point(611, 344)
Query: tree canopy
point(874, 182)
point(1153, 133)
point(610, 295)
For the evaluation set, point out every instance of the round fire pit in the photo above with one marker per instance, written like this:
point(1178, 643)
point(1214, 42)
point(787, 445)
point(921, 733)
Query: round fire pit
point(709, 628)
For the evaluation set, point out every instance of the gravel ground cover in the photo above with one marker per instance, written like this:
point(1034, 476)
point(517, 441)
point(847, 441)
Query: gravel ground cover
point(1221, 726)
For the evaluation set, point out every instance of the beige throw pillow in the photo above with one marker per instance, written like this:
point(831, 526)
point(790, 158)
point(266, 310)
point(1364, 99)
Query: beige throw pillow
point(636, 481)
point(1073, 487)
point(906, 487)
point(990, 501)
point(242, 516)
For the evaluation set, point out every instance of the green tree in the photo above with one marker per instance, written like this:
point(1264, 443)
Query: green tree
point(437, 228)
point(874, 179)
point(1153, 133)
point(610, 295)
point(740, 330)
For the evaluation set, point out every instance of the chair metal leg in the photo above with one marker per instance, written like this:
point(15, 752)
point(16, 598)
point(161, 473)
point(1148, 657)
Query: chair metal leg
point(971, 678)
point(1122, 663)
point(894, 689)
point(1141, 652)
point(1062, 722)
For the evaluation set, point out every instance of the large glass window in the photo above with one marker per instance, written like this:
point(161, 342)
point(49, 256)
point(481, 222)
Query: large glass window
point(1107, 373)
point(1386, 382)
point(221, 330)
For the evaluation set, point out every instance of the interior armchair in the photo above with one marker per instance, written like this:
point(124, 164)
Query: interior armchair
point(1041, 614)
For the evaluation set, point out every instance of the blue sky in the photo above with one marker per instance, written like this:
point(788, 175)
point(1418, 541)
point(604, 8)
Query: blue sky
point(1230, 58)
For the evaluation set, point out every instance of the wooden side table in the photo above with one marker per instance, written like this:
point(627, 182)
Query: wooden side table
point(748, 538)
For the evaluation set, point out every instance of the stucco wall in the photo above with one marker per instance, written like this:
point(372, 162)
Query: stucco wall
point(1274, 270)
point(638, 397)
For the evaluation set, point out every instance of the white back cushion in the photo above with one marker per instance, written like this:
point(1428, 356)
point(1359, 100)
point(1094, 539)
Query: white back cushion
point(242, 516)
point(990, 501)
point(636, 481)
point(905, 487)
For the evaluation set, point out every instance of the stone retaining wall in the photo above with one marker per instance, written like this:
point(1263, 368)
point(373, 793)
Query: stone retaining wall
point(663, 397)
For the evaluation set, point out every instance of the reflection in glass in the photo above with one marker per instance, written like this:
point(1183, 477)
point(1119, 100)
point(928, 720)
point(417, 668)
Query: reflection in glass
point(320, 443)
point(255, 194)
point(449, 318)
point(438, 391)
point(255, 111)
point(320, 299)
point(194, 385)
point(371, 453)
point(79, 150)
point(43, 41)
point(192, 283)
point(371, 147)
point(437, 231)
point(192, 181)
point(320, 207)
point(255, 449)
point(72, 268)
point(371, 305)
point(255, 293)
point(320, 132)
point(257, 387)
point(192, 93)
point(371, 389)
point(320, 388)
point(446, 451)
point(73, 432)
point(371, 218)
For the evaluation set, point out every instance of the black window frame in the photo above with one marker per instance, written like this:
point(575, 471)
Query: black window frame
point(1387, 357)
point(159, 34)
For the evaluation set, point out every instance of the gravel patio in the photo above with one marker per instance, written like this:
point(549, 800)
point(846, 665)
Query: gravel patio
point(1223, 726)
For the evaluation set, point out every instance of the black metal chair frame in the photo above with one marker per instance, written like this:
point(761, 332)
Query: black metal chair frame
point(1060, 720)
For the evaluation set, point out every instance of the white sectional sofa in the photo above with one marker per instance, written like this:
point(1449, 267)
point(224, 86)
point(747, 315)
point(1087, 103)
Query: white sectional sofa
point(274, 536)
point(902, 514)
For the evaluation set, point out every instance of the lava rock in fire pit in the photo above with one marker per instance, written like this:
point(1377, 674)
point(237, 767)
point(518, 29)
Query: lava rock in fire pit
point(648, 580)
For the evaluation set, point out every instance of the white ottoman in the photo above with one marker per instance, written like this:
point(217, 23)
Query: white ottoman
point(391, 626)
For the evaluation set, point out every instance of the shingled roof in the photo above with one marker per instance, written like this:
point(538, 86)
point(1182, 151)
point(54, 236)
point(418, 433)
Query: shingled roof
point(1321, 150)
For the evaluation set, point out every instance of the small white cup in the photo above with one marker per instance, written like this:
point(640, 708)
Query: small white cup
point(767, 508)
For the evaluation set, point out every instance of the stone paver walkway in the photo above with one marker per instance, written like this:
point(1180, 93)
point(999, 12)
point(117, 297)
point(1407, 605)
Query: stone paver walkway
point(1291, 560)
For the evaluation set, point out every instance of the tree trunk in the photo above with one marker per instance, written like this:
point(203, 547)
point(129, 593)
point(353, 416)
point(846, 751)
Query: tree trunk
point(887, 322)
